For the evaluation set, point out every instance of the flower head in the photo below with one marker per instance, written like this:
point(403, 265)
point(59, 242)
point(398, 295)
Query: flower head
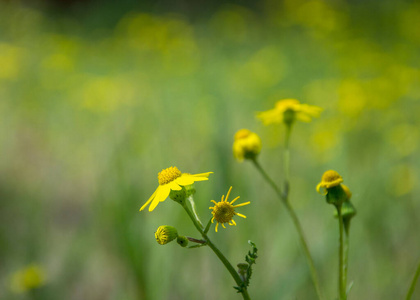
point(289, 110)
point(329, 179)
point(247, 144)
point(171, 179)
point(31, 277)
point(165, 234)
point(224, 211)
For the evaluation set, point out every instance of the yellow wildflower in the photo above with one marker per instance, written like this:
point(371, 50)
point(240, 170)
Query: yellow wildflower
point(31, 277)
point(224, 211)
point(172, 179)
point(247, 144)
point(329, 179)
point(289, 110)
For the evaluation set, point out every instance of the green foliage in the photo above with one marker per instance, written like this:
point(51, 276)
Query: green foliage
point(245, 270)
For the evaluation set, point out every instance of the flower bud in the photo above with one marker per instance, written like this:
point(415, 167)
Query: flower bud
point(331, 182)
point(178, 196)
point(182, 241)
point(165, 234)
point(246, 145)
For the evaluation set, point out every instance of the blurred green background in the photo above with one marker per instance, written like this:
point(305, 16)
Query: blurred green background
point(97, 97)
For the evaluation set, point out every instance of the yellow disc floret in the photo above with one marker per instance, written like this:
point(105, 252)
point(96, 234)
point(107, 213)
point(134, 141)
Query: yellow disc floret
point(168, 175)
point(224, 211)
point(329, 179)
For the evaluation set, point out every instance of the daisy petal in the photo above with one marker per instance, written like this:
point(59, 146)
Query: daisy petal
point(242, 204)
point(241, 215)
point(150, 199)
point(174, 186)
point(207, 174)
point(161, 195)
point(185, 179)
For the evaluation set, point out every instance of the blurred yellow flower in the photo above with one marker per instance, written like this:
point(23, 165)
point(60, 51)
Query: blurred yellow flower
point(31, 277)
point(224, 211)
point(172, 179)
point(247, 144)
point(289, 110)
point(329, 179)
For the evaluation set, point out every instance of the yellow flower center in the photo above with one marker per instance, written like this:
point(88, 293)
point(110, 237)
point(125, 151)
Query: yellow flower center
point(223, 212)
point(241, 134)
point(168, 175)
point(330, 176)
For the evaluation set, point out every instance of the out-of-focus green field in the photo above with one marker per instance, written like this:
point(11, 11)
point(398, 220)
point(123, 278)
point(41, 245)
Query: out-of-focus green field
point(89, 115)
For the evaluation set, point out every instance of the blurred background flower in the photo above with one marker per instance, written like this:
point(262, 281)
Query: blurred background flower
point(97, 97)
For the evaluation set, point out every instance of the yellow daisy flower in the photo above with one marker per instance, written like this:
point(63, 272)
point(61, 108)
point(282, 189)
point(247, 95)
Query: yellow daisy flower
point(172, 179)
point(329, 179)
point(224, 211)
point(287, 111)
point(247, 144)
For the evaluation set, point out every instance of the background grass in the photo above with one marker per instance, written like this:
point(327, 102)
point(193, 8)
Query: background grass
point(96, 99)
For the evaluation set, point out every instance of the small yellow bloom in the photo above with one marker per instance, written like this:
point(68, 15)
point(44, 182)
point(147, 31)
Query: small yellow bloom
point(165, 234)
point(224, 211)
point(287, 111)
point(329, 179)
point(31, 277)
point(172, 179)
point(247, 144)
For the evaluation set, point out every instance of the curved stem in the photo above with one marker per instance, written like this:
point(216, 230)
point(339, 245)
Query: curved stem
point(191, 199)
point(413, 283)
point(284, 199)
point(219, 254)
point(341, 278)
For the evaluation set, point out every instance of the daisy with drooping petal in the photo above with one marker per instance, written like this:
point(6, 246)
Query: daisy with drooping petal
point(224, 211)
point(287, 111)
point(172, 179)
point(329, 180)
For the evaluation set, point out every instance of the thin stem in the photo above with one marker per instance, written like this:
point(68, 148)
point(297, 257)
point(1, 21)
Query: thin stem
point(284, 199)
point(287, 160)
point(196, 240)
point(346, 253)
point(413, 283)
point(341, 278)
point(191, 199)
point(219, 254)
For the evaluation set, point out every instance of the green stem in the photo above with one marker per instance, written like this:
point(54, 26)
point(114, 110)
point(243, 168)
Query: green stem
point(191, 199)
point(219, 254)
point(287, 160)
point(346, 254)
point(341, 278)
point(413, 283)
point(284, 199)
